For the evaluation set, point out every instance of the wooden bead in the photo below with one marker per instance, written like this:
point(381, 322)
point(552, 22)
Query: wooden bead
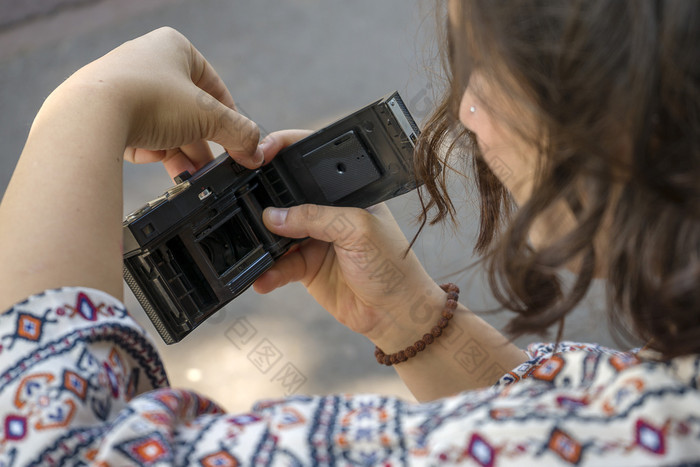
point(412, 350)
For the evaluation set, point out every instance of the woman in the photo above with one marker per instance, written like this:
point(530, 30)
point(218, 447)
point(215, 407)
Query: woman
point(601, 146)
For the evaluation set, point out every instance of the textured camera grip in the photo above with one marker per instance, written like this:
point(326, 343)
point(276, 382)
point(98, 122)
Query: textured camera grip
point(148, 307)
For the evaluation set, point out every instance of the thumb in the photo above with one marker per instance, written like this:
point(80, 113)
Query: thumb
point(341, 226)
point(237, 134)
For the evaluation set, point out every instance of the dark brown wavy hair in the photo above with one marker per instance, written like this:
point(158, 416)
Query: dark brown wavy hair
point(614, 89)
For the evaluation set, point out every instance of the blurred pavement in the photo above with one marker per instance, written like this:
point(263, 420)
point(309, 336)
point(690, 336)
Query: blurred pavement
point(288, 64)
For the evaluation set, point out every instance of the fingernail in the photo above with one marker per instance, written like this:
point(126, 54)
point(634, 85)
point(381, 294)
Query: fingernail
point(259, 156)
point(265, 145)
point(276, 216)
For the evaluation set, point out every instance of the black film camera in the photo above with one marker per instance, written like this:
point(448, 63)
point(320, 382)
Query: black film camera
point(202, 243)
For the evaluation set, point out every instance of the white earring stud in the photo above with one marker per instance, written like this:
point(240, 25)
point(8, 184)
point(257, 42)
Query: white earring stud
point(472, 109)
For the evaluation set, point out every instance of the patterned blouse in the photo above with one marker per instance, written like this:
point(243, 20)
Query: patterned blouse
point(81, 383)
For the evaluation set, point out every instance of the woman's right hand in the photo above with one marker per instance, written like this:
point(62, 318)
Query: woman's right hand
point(354, 265)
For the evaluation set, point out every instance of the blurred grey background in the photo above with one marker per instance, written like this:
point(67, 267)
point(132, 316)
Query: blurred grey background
point(288, 64)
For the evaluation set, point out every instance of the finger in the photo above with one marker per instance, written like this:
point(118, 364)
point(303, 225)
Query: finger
point(176, 162)
point(199, 153)
point(289, 268)
point(278, 140)
point(265, 283)
point(237, 134)
point(342, 226)
point(380, 210)
point(190, 158)
point(297, 265)
point(143, 156)
point(205, 77)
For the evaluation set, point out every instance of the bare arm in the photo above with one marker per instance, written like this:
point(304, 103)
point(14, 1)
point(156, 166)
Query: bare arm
point(60, 218)
point(470, 354)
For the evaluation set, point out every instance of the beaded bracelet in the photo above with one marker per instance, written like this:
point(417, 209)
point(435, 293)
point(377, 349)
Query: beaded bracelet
point(427, 339)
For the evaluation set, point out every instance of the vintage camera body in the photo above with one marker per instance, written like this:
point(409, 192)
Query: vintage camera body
point(202, 243)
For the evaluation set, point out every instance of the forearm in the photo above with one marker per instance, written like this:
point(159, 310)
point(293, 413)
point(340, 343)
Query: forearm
point(60, 216)
point(469, 354)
